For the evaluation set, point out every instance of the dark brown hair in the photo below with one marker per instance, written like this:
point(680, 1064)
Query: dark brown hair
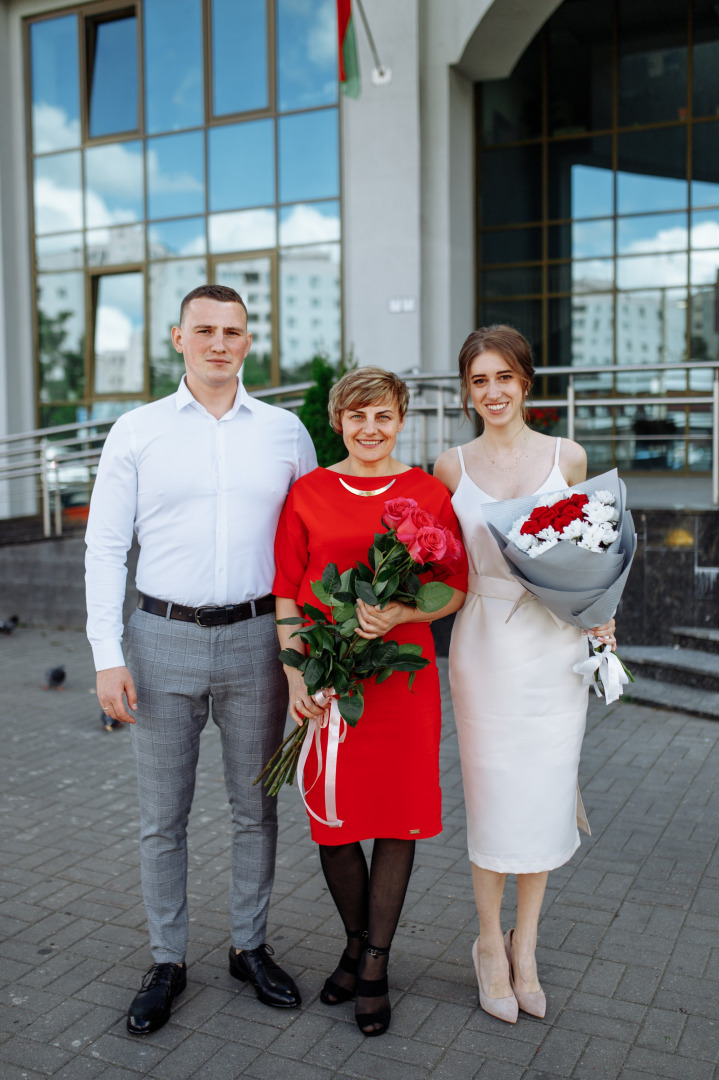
point(223, 293)
point(512, 346)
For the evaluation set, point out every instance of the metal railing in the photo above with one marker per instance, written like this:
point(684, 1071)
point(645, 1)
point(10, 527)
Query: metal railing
point(46, 468)
point(436, 397)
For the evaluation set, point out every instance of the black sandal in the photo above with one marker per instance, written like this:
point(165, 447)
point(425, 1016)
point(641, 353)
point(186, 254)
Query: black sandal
point(350, 966)
point(373, 988)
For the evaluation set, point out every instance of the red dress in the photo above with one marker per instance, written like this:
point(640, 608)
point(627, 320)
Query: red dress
point(388, 765)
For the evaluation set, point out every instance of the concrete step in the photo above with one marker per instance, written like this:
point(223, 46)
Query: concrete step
point(683, 667)
point(697, 637)
point(660, 695)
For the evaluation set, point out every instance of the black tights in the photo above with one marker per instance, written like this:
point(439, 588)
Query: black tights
point(368, 900)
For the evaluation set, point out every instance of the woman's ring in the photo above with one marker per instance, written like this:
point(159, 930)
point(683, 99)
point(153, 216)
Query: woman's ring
point(298, 702)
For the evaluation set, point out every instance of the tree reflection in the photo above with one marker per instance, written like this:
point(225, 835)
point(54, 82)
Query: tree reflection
point(62, 368)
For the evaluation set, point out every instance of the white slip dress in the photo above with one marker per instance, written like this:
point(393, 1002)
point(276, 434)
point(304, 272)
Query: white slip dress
point(519, 707)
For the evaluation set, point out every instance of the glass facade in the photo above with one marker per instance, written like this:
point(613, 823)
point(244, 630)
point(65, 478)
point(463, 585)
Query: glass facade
point(598, 213)
point(170, 147)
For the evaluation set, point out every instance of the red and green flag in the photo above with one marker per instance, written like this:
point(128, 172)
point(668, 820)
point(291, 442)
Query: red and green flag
point(348, 62)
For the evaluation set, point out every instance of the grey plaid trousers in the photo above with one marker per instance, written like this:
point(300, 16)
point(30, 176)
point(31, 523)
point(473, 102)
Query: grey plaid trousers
point(178, 668)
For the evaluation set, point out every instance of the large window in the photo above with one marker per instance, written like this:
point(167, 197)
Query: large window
point(176, 142)
point(599, 212)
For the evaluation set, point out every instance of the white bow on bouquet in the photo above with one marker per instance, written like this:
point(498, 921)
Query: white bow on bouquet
point(573, 550)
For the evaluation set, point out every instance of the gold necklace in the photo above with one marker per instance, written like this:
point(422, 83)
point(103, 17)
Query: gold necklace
point(366, 494)
point(515, 463)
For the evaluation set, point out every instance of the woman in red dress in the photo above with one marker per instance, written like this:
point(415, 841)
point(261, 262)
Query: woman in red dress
point(387, 786)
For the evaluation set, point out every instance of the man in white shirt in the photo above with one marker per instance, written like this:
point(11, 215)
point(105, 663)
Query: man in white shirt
point(201, 477)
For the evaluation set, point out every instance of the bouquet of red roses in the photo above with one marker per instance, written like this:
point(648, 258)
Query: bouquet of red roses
point(336, 661)
point(573, 550)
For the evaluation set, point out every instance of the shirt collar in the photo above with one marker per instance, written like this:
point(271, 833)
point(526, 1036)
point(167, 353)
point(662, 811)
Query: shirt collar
point(184, 397)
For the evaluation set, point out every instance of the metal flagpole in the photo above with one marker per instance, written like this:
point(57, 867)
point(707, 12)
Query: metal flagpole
point(380, 74)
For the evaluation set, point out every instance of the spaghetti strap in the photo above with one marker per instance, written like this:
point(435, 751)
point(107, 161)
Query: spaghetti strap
point(556, 452)
point(461, 460)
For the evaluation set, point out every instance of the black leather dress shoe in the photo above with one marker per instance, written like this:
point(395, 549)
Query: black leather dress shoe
point(151, 1005)
point(273, 986)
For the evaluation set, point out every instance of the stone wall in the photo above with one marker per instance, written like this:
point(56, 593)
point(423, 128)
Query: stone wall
point(43, 582)
point(675, 577)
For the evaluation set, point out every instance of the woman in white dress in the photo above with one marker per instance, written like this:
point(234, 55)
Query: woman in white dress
point(519, 707)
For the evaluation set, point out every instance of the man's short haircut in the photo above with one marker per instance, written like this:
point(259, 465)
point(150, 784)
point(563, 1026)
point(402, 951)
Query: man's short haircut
point(366, 386)
point(223, 293)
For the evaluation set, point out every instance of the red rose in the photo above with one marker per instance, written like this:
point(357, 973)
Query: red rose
point(454, 548)
point(415, 519)
point(429, 545)
point(395, 510)
point(569, 512)
point(540, 518)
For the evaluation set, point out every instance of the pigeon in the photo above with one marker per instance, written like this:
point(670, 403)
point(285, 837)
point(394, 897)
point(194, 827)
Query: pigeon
point(9, 625)
point(109, 722)
point(55, 677)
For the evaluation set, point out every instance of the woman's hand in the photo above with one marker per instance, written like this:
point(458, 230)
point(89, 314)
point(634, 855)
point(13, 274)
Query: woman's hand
point(605, 633)
point(376, 621)
point(301, 703)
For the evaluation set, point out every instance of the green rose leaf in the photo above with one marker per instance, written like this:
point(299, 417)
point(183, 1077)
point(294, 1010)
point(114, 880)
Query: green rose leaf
point(351, 708)
point(315, 674)
point(321, 593)
point(315, 613)
point(343, 612)
point(409, 663)
point(331, 578)
point(410, 649)
point(366, 592)
point(382, 674)
point(388, 588)
point(294, 621)
point(292, 658)
point(346, 580)
point(433, 596)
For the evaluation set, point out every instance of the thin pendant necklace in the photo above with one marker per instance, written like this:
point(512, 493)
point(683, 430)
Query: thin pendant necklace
point(515, 463)
point(366, 494)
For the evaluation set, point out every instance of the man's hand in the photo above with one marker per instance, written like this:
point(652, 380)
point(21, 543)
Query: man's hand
point(113, 685)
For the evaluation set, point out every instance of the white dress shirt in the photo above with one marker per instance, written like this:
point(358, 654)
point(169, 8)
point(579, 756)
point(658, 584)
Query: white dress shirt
point(203, 495)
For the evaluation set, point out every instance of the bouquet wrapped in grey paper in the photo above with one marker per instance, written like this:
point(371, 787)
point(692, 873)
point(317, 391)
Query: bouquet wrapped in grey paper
point(578, 586)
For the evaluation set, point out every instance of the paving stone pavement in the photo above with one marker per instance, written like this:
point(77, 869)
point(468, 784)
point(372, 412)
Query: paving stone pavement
point(629, 939)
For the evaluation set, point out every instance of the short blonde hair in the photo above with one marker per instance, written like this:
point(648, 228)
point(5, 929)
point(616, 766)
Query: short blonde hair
point(366, 386)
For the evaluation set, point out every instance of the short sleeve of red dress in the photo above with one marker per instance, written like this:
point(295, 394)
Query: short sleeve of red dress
point(388, 765)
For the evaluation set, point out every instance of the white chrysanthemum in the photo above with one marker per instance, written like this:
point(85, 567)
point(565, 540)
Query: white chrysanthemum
point(573, 530)
point(555, 497)
point(544, 546)
point(548, 534)
point(597, 512)
point(597, 537)
point(525, 542)
point(604, 497)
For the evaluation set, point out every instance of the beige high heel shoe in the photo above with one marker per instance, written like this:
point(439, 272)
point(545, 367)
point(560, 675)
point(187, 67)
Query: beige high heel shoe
point(504, 1008)
point(534, 1003)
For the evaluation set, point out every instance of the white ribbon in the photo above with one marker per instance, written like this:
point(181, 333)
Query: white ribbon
point(610, 675)
point(332, 719)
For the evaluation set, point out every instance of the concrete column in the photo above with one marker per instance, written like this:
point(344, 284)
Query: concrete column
point(381, 193)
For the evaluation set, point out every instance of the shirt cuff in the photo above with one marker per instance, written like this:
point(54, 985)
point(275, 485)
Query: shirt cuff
point(107, 654)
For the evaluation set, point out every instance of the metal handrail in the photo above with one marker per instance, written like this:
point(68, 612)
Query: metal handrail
point(43, 451)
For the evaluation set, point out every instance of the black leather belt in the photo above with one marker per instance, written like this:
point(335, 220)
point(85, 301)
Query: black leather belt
point(207, 615)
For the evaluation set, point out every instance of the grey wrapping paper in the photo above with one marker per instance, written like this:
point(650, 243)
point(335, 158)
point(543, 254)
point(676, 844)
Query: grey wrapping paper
point(581, 587)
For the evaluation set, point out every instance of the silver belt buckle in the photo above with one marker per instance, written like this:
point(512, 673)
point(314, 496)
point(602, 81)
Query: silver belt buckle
point(198, 613)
